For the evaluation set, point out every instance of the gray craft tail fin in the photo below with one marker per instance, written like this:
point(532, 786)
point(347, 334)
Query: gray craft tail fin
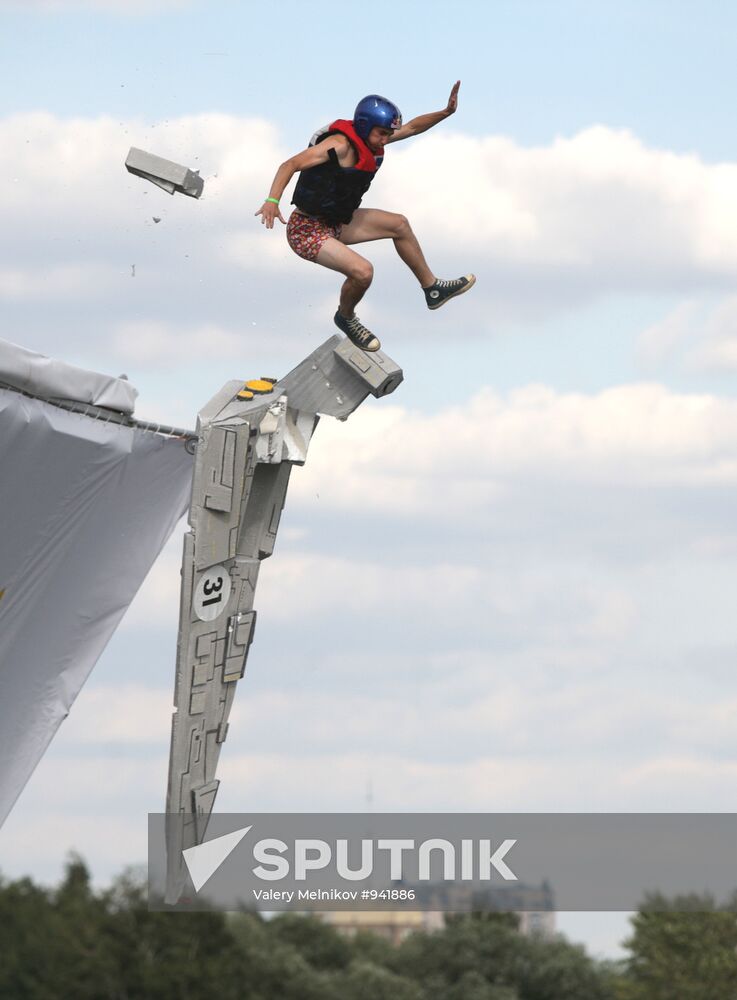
point(250, 436)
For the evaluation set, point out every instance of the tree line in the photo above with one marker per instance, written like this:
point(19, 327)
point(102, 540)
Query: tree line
point(74, 941)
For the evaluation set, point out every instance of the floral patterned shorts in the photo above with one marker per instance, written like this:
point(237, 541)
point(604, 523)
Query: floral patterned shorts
point(306, 235)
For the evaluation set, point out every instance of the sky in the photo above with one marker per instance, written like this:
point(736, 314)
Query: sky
point(507, 587)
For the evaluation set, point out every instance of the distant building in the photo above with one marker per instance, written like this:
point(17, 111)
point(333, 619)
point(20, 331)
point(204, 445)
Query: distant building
point(533, 906)
point(534, 923)
point(393, 925)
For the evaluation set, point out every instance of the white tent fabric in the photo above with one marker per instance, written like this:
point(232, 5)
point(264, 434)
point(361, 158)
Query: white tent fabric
point(52, 379)
point(86, 507)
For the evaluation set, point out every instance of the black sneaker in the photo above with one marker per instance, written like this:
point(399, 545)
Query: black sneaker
point(441, 291)
point(354, 329)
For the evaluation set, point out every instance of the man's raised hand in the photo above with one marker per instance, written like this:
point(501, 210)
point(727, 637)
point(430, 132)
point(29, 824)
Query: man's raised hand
point(453, 99)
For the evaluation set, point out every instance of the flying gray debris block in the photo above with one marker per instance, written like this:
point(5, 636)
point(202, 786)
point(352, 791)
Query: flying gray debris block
point(163, 173)
point(249, 437)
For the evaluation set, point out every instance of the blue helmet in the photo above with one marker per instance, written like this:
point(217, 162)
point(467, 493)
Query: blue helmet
point(374, 110)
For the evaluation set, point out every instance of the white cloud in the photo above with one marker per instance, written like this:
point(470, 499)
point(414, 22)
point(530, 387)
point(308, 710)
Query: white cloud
point(697, 336)
point(498, 712)
point(94, 804)
point(150, 342)
point(157, 601)
point(505, 543)
point(270, 781)
point(301, 590)
point(465, 457)
point(659, 341)
point(599, 206)
point(125, 715)
point(719, 355)
point(529, 507)
point(63, 282)
point(257, 251)
point(39, 840)
point(590, 214)
point(533, 506)
point(59, 168)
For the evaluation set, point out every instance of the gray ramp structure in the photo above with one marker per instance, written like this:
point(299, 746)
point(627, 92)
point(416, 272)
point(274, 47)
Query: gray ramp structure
point(249, 437)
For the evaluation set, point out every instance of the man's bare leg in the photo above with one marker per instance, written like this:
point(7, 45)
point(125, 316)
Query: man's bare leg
point(374, 224)
point(359, 273)
point(370, 224)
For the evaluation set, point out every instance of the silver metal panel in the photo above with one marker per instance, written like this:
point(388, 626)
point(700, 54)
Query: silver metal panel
point(313, 387)
point(331, 382)
point(271, 429)
point(220, 474)
point(219, 403)
point(244, 458)
point(377, 371)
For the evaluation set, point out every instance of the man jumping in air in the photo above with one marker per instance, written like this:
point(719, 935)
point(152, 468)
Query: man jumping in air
point(336, 171)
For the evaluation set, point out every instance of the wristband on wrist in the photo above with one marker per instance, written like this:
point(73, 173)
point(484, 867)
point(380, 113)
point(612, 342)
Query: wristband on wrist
point(274, 201)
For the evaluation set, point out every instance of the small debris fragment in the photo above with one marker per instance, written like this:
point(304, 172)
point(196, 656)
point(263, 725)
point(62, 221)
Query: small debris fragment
point(133, 270)
point(156, 218)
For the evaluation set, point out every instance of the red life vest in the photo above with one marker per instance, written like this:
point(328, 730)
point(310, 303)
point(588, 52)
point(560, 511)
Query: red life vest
point(333, 192)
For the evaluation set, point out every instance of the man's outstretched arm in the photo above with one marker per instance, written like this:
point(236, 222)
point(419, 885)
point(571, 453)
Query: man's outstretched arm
point(310, 157)
point(423, 122)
